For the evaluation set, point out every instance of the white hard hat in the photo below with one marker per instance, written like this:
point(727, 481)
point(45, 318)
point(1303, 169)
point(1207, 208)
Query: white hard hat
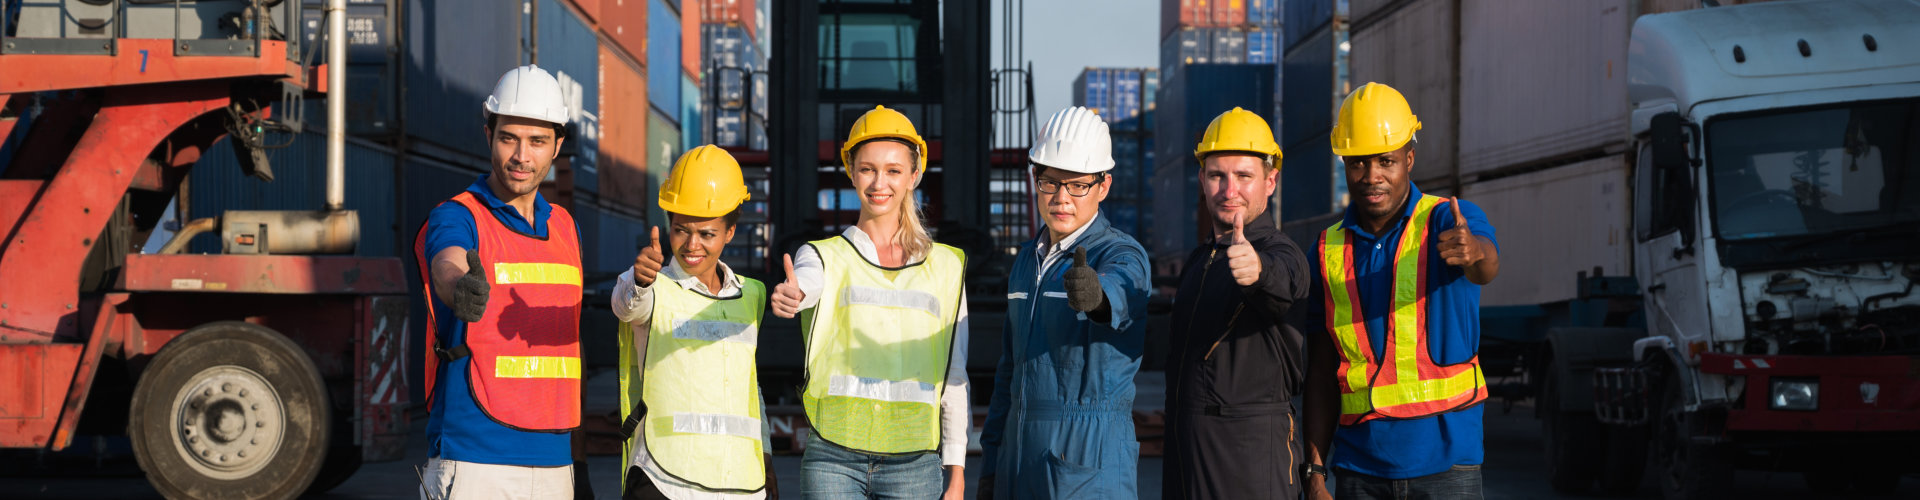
point(1075, 140)
point(529, 92)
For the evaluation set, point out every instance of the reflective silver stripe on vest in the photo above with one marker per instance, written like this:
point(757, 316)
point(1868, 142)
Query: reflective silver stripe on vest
point(716, 331)
point(882, 390)
point(910, 299)
point(717, 424)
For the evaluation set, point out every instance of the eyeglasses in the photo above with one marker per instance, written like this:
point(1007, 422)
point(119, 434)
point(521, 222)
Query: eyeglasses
point(1077, 189)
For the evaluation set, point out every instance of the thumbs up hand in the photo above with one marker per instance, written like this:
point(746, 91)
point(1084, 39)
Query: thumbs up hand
point(1241, 258)
point(470, 292)
point(1083, 284)
point(646, 266)
point(1458, 246)
point(787, 295)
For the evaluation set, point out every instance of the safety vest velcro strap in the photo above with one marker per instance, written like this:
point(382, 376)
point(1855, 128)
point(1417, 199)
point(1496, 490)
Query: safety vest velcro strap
point(906, 299)
point(453, 354)
point(716, 331)
point(717, 424)
point(904, 391)
point(535, 273)
point(536, 367)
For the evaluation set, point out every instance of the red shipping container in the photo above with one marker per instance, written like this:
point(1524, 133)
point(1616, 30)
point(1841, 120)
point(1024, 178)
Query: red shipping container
point(1175, 14)
point(735, 12)
point(623, 131)
point(589, 9)
point(690, 39)
point(1229, 13)
point(625, 22)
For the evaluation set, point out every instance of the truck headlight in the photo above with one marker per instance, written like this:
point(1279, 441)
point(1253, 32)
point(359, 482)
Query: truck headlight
point(1795, 394)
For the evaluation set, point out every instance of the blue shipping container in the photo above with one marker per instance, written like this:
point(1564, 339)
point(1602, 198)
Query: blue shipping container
point(1202, 92)
point(1303, 17)
point(1260, 46)
point(456, 51)
point(1265, 13)
point(663, 50)
point(1229, 46)
point(1117, 94)
point(1186, 46)
point(571, 51)
point(1308, 90)
point(692, 133)
point(300, 178)
point(1308, 179)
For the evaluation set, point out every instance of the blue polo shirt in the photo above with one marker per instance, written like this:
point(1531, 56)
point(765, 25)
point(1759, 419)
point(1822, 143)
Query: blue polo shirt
point(1405, 449)
point(456, 427)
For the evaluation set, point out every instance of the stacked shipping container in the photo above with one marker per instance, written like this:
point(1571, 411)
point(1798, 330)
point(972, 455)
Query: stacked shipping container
point(622, 67)
point(1209, 33)
point(1124, 98)
point(1314, 80)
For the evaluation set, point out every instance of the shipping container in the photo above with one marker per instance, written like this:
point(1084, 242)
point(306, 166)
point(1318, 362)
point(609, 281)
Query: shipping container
point(1304, 17)
point(625, 23)
point(690, 40)
point(693, 128)
point(663, 147)
point(1359, 11)
point(1572, 58)
point(216, 185)
point(589, 9)
point(663, 79)
point(1229, 46)
point(455, 53)
point(623, 126)
point(1261, 46)
point(1307, 179)
point(1309, 90)
point(1177, 14)
point(1412, 50)
point(1117, 94)
point(1201, 46)
point(1265, 13)
point(570, 50)
point(1587, 226)
point(741, 13)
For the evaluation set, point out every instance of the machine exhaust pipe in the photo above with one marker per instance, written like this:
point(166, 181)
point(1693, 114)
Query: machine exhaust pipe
point(336, 104)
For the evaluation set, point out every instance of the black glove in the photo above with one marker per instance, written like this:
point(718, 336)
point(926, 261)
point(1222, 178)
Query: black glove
point(1083, 284)
point(469, 300)
point(985, 490)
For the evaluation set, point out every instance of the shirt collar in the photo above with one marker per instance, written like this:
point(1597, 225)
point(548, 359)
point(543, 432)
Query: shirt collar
point(730, 283)
point(1047, 248)
point(480, 189)
point(1352, 221)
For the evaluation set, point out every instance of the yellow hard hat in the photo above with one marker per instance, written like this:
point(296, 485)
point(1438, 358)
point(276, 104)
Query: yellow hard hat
point(1238, 130)
point(705, 182)
point(877, 124)
point(1374, 119)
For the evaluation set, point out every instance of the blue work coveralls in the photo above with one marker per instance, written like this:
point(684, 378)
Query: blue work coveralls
point(1061, 421)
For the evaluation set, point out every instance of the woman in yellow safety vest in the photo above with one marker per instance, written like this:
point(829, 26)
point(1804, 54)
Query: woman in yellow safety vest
point(883, 309)
point(688, 387)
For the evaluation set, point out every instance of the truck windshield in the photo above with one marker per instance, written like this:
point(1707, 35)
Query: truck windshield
point(1824, 170)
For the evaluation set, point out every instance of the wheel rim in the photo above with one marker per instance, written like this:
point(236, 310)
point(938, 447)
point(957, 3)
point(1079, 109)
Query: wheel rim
point(228, 423)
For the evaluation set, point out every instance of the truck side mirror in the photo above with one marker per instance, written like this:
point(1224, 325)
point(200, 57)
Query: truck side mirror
point(1669, 141)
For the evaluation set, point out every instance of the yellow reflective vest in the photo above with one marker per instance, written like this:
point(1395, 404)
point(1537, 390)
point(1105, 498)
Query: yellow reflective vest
point(878, 344)
point(701, 387)
point(1407, 383)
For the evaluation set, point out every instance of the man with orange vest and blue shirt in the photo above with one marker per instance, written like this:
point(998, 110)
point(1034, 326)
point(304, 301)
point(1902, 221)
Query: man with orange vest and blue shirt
point(1395, 387)
point(502, 274)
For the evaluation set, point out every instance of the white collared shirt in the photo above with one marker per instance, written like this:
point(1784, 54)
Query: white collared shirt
point(1050, 253)
point(955, 414)
point(633, 304)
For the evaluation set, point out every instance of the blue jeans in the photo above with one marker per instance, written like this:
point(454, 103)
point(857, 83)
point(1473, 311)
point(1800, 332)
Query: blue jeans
point(831, 472)
point(1462, 481)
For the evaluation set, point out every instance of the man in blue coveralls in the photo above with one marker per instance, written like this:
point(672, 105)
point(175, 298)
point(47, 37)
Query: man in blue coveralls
point(1061, 422)
point(1395, 346)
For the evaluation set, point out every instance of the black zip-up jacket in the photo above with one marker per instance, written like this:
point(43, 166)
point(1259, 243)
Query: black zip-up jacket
point(1232, 373)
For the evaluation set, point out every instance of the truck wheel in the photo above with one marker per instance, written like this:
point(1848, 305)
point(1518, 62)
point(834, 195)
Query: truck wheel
point(1688, 470)
point(1574, 449)
point(230, 410)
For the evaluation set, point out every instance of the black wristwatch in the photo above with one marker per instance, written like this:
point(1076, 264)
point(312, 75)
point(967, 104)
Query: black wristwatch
point(1311, 469)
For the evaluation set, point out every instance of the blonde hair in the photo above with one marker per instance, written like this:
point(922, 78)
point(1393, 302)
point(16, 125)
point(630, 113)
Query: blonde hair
point(912, 235)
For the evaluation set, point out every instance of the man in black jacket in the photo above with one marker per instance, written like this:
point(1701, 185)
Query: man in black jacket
point(1235, 364)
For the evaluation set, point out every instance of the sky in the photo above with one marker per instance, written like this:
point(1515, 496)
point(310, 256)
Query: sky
point(1064, 37)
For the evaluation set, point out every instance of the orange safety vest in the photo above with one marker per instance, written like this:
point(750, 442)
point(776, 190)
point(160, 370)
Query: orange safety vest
point(525, 372)
point(1407, 383)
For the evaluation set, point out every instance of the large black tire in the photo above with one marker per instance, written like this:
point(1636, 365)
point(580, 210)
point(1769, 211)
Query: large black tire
point(1626, 464)
point(230, 410)
point(1575, 451)
point(1688, 470)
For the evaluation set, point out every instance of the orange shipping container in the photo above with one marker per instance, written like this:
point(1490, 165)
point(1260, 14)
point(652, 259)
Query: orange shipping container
point(690, 39)
point(736, 12)
point(623, 131)
point(589, 9)
point(625, 22)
